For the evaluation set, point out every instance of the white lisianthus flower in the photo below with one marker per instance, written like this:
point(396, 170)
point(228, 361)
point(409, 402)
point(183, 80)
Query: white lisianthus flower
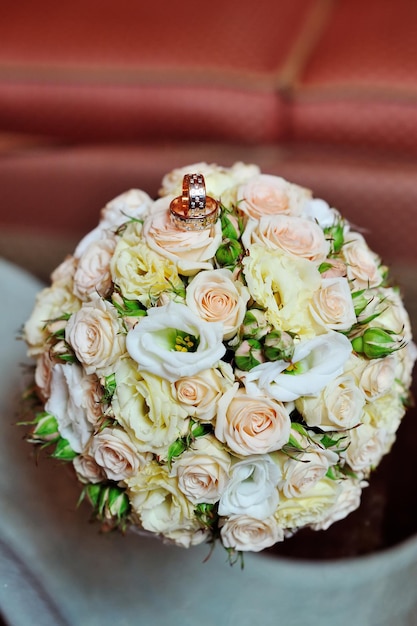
point(199, 394)
point(283, 285)
point(294, 235)
point(339, 406)
point(252, 488)
point(332, 305)
point(216, 297)
point(68, 404)
point(268, 195)
point(245, 533)
point(315, 363)
point(202, 470)
point(251, 425)
point(156, 346)
point(320, 212)
point(191, 251)
point(96, 335)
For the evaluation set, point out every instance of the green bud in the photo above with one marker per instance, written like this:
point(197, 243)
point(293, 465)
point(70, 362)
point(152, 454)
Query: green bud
point(278, 346)
point(63, 451)
point(230, 227)
point(248, 355)
point(376, 343)
point(255, 324)
point(336, 235)
point(46, 428)
point(228, 253)
point(117, 502)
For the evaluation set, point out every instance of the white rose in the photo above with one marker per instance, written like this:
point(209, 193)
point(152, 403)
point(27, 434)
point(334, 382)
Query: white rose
point(114, 451)
point(293, 513)
point(251, 425)
point(315, 363)
point(347, 500)
point(268, 195)
point(87, 469)
point(393, 314)
point(97, 336)
point(332, 305)
point(252, 489)
point(294, 235)
point(338, 407)
point(51, 303)
point(363, 265)
point(244, 533)
point(283, 285)
point(159, 504)
point(202, 470)
point(191, 251)
point(67, 403)
point(378, 376)
point(93, 275)
point(217, 179)
point(144, 405)
point(216, 297)
point(199, 395)
point(157, 348)
point(301, 473)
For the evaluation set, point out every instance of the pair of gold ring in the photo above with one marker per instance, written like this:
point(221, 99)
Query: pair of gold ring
point(194, 210)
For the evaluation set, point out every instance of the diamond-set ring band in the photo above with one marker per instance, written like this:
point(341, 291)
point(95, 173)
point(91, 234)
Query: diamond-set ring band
point(194, 210)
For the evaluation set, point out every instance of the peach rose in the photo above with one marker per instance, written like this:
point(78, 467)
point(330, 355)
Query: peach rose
point(251, 425)
point(202, 470)
point(245, 533)
point(332, 305)
point(113, 450)
point(367, 445)
point(363, 265)
point(292, 234)
point(301, 473)
point(191, 251)
point(216, 297)
point(378, 376)
point(96, 335)
point(200, 394)
point(268, 195)
point(43, 373)
point(93, 270)
point(87, 469)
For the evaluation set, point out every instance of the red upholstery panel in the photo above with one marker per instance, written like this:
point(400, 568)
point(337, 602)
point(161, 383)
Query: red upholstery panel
point(360, 84)
point(101, 69)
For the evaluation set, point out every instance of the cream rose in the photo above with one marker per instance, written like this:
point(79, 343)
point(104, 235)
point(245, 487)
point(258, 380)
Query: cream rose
point(51, 303)
point(251, 425)
point(367, 445)
point(347, 500)
point(139, 272)
point(63, 275)
point(43, 374)
point(294, 235)
point(173, 342)
point(268, 195)
point(245, 533)
point(87, 469)
point(283, 285)
point(216, 297)
point(338, 407)
point(252, 488)
point(68, 404)
point(332, 305)
point(92, 275)
point(113, 450)
point(160, 505)
point(294, 513)
point(363, 265)
point(378, 377)
point(217, 179)
point(97, 336)
point(199, 395)
point(191, 251)
point(315, 363)
point(301, 473)
point(202, 470)
point(144, 405)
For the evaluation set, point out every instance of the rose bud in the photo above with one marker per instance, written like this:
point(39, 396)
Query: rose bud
point(255, 324)
point(228, 252)
point(248, 355)
point(278, 346)
point(376, 343)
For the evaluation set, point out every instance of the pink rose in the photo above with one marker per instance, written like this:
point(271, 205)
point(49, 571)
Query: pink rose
point(269, 195)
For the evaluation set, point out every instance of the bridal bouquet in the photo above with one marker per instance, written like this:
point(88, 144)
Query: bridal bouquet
point(234, 383)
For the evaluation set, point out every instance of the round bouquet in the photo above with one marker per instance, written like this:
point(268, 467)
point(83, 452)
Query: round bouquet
point(226, 363)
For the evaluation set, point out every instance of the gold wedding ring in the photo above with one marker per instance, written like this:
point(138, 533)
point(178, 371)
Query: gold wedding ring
point(194, 210)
